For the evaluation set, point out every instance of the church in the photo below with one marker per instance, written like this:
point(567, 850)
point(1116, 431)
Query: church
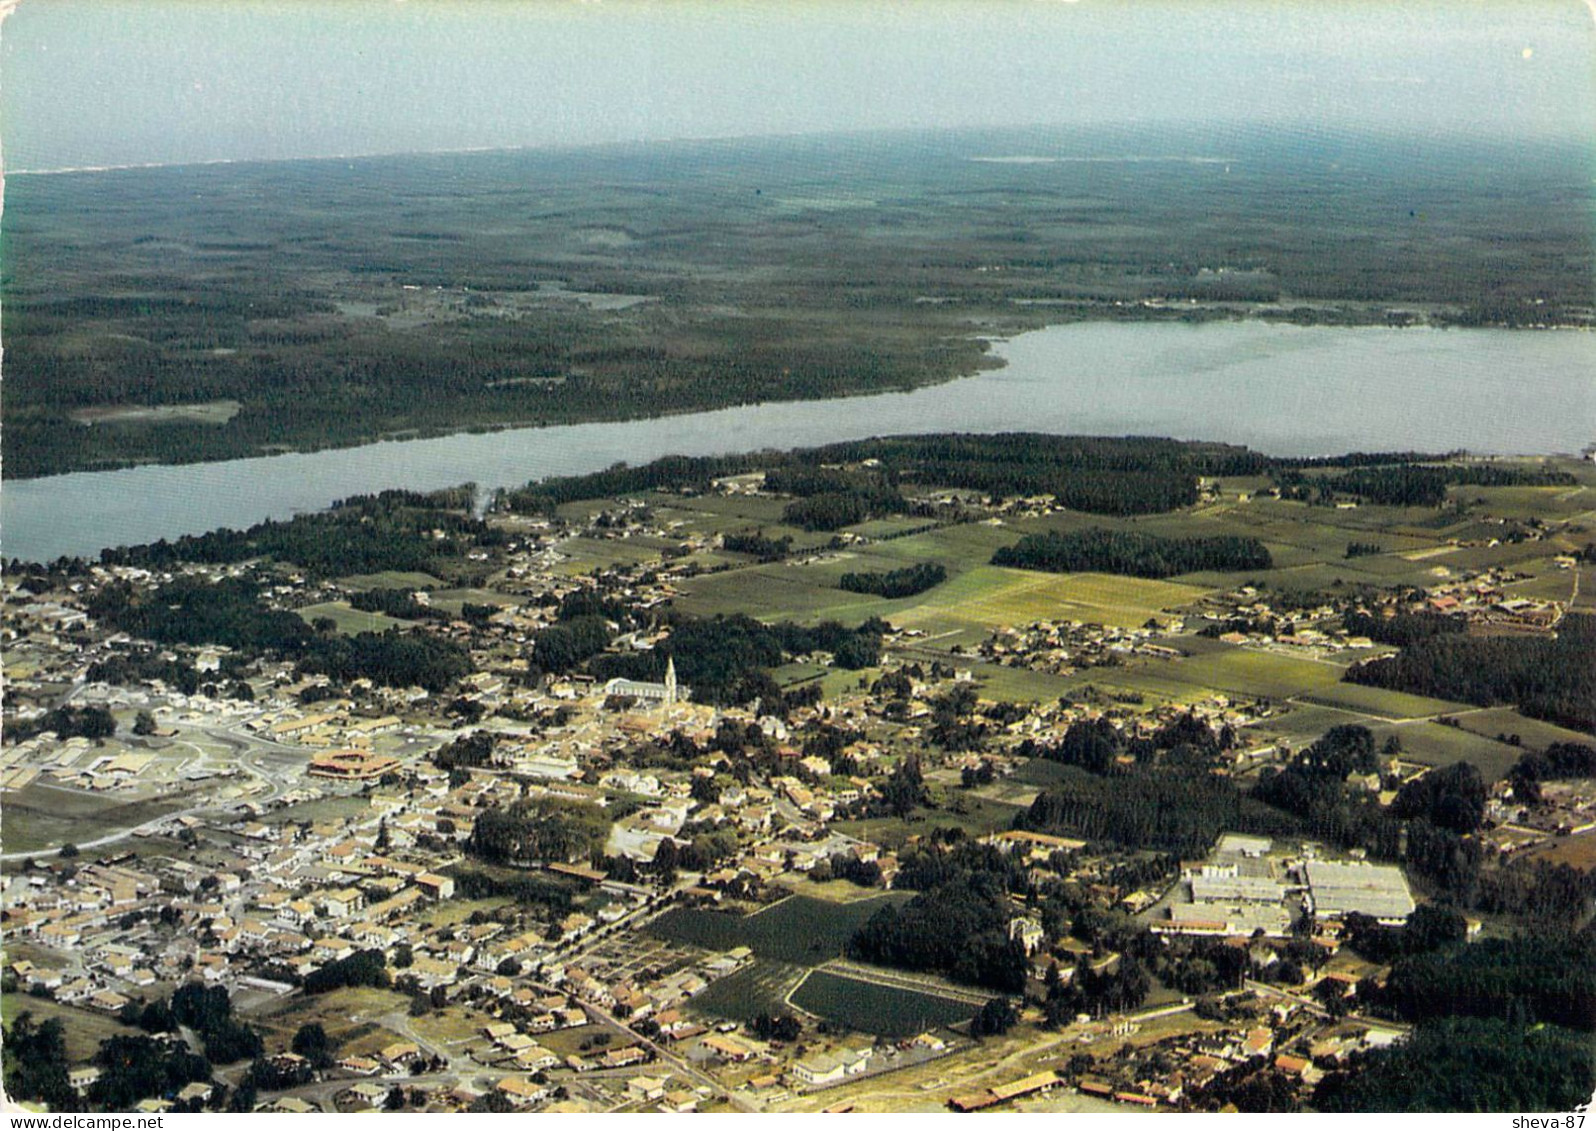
point(667, 693)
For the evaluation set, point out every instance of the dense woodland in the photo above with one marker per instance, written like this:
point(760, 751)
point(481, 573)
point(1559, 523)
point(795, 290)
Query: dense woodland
point(232, 613)
point(339, 302)
point(895, 583)
point(1410, 484)
point(364, 534)
point(540, 830)
point(1402, 629)
point(956, 926)
point(1548, 678)
point(1467, 1065)
point(1176, 810)
point(1132, 553)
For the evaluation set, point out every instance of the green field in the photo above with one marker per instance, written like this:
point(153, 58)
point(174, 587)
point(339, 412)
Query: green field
point(350, 621)
point(1438, 745)
point(1022, 685)
point(1235, 671)
point(583, 555)
point(976, 815)
point(1533, 733)
point(453, 599)
point(1381, 703)
point(42, 817)
point(992, 596)
point(884, 1011)
point(777, 591)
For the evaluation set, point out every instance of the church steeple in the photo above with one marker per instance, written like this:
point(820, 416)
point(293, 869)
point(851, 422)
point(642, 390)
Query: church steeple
point(670, 680)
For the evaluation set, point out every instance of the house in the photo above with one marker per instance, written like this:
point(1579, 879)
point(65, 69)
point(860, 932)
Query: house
point(520, 1091)
point(400, 1054)
point(646, 1089)
point(1028, 933)
point(680, 1101)
point(288, 1105)
point(367, 1095)
point(198, 1090)
point(624, 1058)
point(535, 1058)
point(728, 1048)
point(108, 1000)
point(343, 903)
point(362, 1066)
point(438, 887)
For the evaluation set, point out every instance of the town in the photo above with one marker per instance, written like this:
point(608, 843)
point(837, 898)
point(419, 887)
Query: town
point(623, 798)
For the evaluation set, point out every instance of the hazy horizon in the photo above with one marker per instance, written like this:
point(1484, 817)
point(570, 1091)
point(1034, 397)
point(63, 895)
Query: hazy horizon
point(92, 83)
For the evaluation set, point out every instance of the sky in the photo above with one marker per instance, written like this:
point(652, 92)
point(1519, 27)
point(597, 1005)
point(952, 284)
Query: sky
point(88, 83)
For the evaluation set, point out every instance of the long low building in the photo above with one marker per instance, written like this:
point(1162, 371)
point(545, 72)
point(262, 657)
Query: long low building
point(1379, 891)
point(1236, 889)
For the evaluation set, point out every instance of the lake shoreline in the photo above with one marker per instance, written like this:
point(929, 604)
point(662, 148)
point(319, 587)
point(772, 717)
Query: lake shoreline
point(1282, 391)
point(1154, 315)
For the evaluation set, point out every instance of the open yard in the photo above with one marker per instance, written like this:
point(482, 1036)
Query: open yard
point(83, 1029)
point(43, 816)
point(353, 1017)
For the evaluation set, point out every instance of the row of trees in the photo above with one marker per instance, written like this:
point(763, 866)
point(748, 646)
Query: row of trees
point(756, 543)
point(1405, 483)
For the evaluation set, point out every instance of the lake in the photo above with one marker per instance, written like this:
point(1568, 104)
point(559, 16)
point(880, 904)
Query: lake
point(1285, 390)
